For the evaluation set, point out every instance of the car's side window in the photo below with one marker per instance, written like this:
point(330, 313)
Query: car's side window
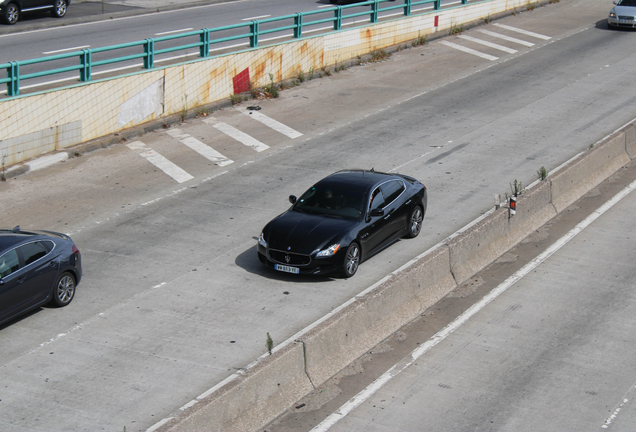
point(9, 263)
point(377, 199)
point(31, 252)
point(392, 189)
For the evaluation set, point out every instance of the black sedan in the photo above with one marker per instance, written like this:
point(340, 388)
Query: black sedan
point(10, 10)
point(36, 267)
point(342, 220)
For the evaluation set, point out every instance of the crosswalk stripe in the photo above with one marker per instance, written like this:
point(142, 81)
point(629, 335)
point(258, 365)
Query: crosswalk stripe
point(160, 162)
point(239, 136)
point(504, 37)
point(469, 51)
point(525, 32)
point(200, 147)
point(274, 124)
point(488, 44)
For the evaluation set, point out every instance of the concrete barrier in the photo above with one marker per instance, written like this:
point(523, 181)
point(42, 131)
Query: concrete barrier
point(481, 244)
point(586, 172)
point(258, 395)
point(630, 140)
point(347, 335)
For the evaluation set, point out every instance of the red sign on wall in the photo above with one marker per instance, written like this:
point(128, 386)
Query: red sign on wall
point(242, 82)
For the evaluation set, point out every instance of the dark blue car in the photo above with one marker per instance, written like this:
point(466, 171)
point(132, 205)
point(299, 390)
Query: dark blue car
point(36, 267)
point(11, 10)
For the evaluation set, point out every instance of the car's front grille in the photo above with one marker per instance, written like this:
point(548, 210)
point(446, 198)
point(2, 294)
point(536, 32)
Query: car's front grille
point(625, 17)
point(289, 258)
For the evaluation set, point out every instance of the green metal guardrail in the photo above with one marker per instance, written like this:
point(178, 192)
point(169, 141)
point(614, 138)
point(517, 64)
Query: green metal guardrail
point(253, 34)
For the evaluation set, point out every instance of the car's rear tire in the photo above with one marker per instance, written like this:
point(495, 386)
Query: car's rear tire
point(59, 8)
point(415, 222)
point(11, 14)
point(64, 289)
point(352, 260)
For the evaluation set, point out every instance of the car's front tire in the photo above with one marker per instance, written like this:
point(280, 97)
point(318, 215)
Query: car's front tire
point(64, 289)
point(415, 222)
point(352, 260)
point(11, 14)
point(59, 8)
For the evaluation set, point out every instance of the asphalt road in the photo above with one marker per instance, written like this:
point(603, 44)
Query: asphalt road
point(174, 300)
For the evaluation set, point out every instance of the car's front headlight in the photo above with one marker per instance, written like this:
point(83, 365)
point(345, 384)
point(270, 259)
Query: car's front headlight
point(612, 14)
point(261, 241)
point(330, 251)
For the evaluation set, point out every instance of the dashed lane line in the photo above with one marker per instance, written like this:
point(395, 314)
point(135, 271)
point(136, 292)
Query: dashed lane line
point(160, 162)
point(274, 124)
point(525, 32)
point(506, 38)
point(469, 51)
point(488, 44)
point(200, 147)
point(239, 136)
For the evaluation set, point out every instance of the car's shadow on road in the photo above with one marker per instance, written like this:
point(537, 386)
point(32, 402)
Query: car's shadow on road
point(248, 261)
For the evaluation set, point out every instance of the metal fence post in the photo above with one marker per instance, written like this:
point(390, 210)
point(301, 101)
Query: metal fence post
point(438, 4)
point(204, 51)
point(298, 22)
point(149, 50)
point(337, 25)
point(13, 73)
point(254, 36)
point(85, 61)
point(407, 7)
point(374, 11)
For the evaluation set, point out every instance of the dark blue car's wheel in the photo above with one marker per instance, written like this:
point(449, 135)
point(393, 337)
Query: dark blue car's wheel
point(64, 289)
point(352, 260)
point(59, 8)
point(11, 14)
point(415, 223)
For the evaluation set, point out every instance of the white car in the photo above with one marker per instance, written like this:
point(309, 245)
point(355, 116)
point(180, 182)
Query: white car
point(623, 14)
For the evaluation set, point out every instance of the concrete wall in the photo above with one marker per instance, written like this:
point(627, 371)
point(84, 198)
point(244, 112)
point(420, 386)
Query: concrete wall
point(34, 124)
point(247, 403)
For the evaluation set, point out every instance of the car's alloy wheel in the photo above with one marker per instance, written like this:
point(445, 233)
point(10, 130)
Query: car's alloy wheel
point(415, 223)
point(352, 260)
point(64, 289)
point(11, 14)
point(59, 9)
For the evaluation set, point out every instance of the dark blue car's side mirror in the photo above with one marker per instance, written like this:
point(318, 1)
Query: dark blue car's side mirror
point(292, 199)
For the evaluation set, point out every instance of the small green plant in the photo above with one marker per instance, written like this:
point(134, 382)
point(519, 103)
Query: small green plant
point(184, 112)
point(301, 76)
point(516, 188)
point(542, 173)
point(488, 19)
point(554, 1)
point(531, 6)
point(236, 99)
point(4, 162)
point(454, 31)
point(269, 343)
point(271, 87)
point(421, 40)
point(326, 71)
point(379, 55)
point(311, 73)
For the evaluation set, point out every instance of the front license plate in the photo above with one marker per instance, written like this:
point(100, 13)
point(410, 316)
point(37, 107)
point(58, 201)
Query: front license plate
point(287, 269)
point(624, 21)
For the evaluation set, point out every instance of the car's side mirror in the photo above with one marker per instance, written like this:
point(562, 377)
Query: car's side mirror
point(292, 199)
point(377, 212)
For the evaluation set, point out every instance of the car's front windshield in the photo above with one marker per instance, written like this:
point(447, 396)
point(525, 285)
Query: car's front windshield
point(330, 201)
point(627, 3)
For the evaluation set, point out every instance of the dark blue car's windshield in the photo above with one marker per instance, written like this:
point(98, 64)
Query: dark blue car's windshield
point(627, 3)
point(331, 201)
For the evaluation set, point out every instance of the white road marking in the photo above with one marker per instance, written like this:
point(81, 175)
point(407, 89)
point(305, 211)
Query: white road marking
point(66, 49)
point(160, 162)
point(239, 136)
point(488, 44)
point(525, 32)
point(372, 388)
point(469, 51)
point(274, 124)
point(624, 402)
point(200, 147)
point(507, 38)
point(255, 18)
point(174, 31)
point(45, 161)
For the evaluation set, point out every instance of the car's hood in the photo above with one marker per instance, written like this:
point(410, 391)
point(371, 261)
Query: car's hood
point(625, 10)
point(304, 233)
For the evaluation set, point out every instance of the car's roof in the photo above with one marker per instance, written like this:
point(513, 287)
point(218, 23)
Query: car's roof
point(11, 237)
point(356, 179)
